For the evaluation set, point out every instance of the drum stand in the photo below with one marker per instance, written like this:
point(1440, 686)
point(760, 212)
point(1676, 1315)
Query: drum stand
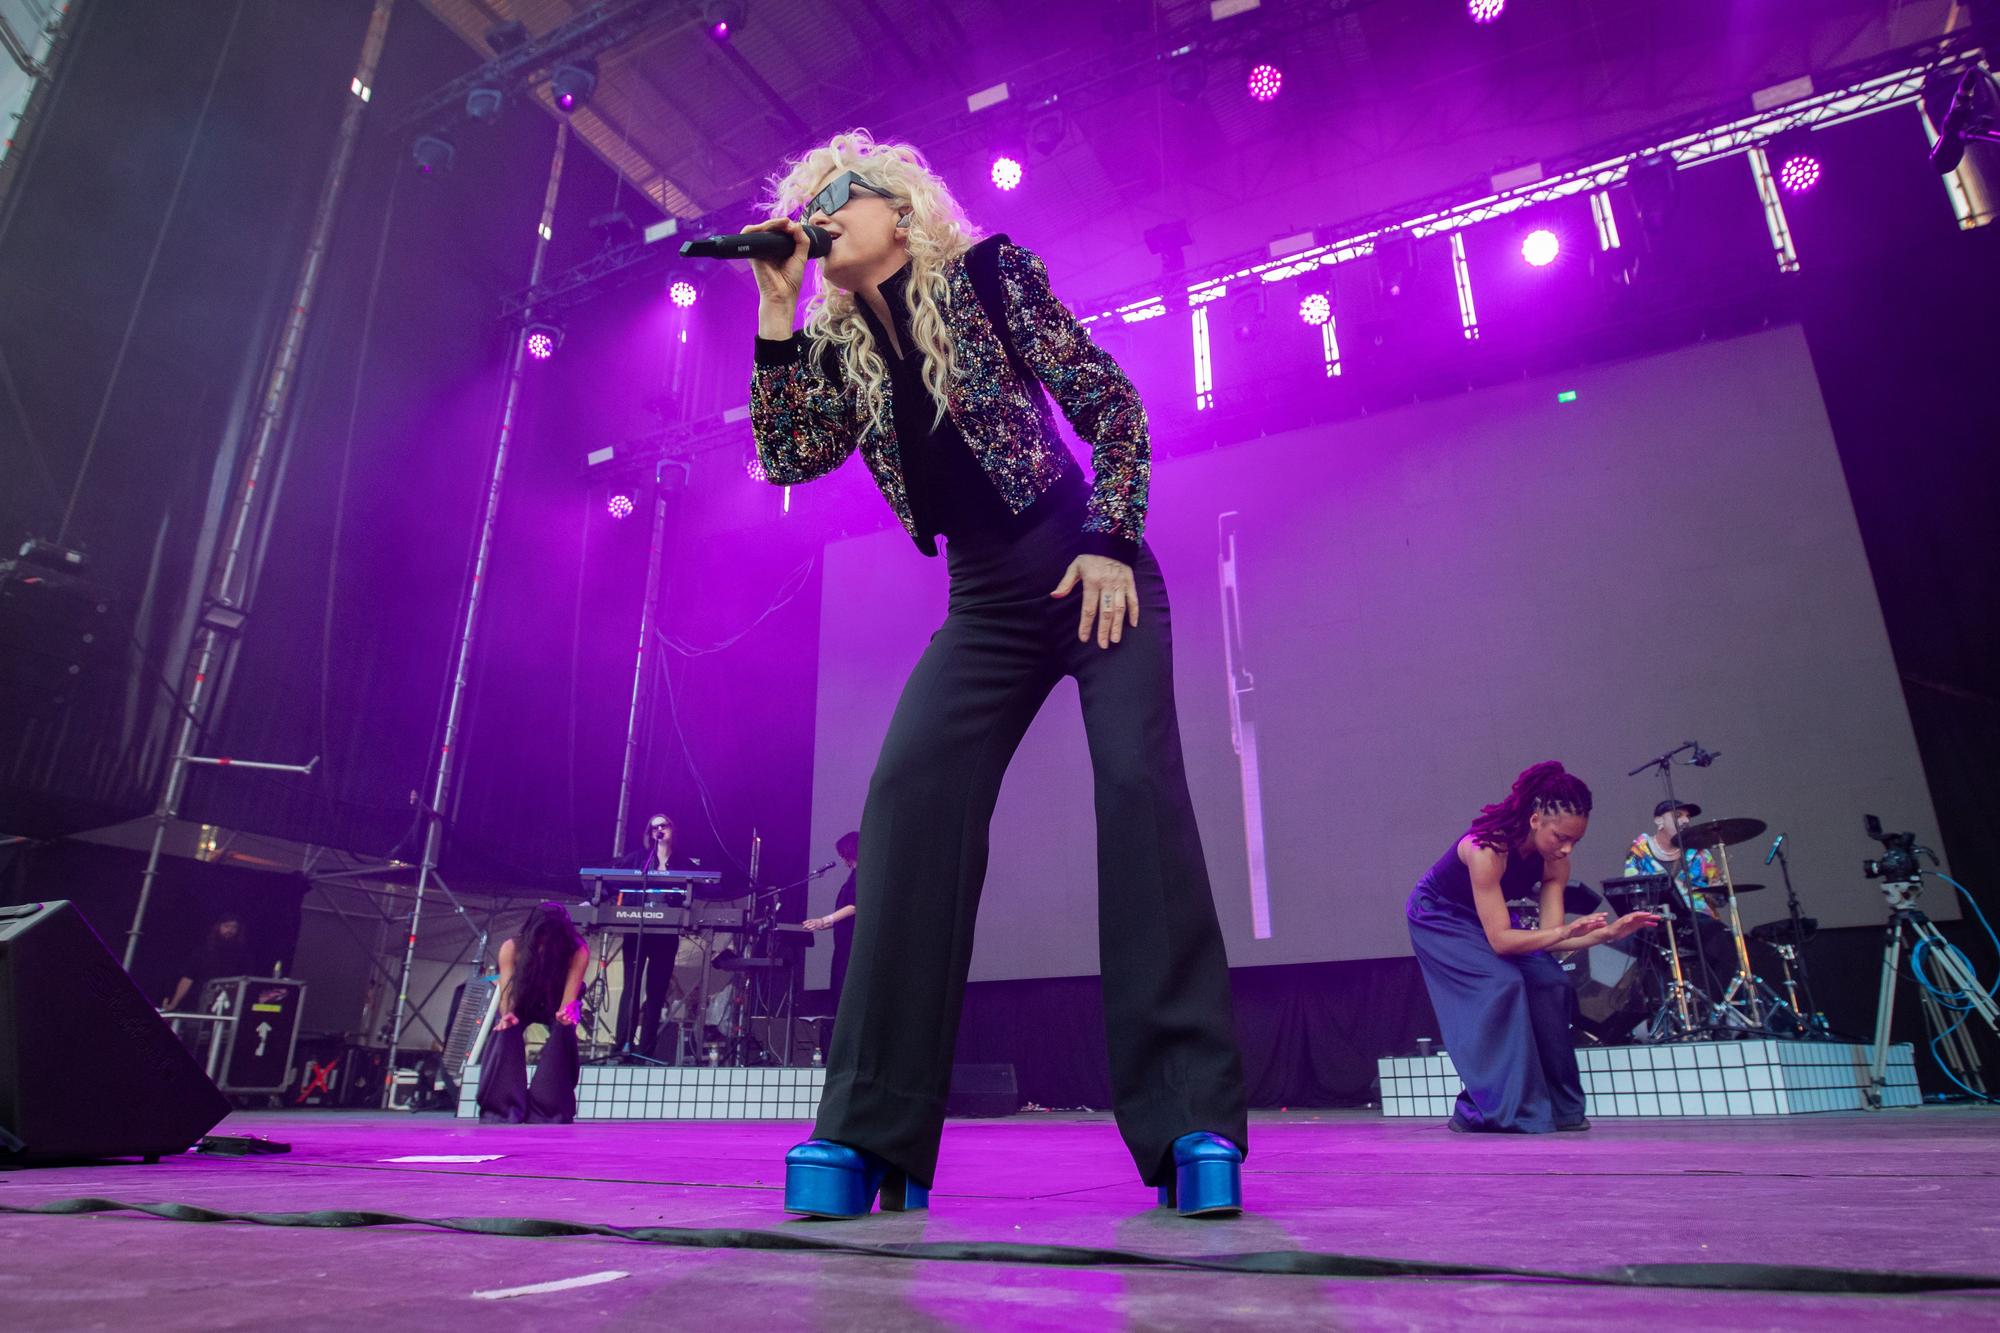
point(1744, 981)
point(1950, 1042)
point(1674, 1020)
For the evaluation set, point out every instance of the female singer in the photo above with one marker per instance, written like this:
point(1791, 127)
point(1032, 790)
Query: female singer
point(927, 349)
point(541, 981)
point(1503, 1005)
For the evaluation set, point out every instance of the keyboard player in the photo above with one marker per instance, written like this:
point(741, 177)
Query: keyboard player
point(649, 955)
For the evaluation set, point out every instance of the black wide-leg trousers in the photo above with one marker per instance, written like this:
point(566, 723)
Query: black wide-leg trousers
point(649, 972)
point(1005, 642)
point(504, 1090)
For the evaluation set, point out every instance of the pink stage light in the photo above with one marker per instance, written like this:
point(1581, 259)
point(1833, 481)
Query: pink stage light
point(541, 344)
point(1006, 172)
point(620, 506)
point(1540, 247)
point(1316, 309)
point(755, 467)
point(1265, 83)
point(1800, 174)
point(1484, 11)
point(683, 293)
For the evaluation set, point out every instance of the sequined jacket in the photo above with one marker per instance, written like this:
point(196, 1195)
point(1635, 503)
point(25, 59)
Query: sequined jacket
point(807, 418)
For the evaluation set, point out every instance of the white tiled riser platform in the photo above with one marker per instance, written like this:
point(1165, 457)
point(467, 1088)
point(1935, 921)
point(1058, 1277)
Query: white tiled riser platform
point(641, 1092)
point(1711, 1078)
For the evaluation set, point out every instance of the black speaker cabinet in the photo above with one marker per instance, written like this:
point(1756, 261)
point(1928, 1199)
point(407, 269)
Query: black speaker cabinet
point(88, 1069)
point(982, 1090)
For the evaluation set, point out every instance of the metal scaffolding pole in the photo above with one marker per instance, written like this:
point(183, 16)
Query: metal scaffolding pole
point(649, 617)
point(231, 574)
point(482, 555)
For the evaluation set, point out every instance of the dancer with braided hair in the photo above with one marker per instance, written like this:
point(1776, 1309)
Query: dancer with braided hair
point(1503, 1004)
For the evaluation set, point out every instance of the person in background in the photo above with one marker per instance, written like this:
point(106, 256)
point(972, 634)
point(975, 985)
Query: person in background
point(541, 981)
point(649, 955)
point(224, 953)
point(841, 919)
point(1658, 852)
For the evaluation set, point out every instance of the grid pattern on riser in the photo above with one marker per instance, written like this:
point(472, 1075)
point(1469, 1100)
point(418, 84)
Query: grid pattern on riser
point(1720, 1078)
point(620, 1092)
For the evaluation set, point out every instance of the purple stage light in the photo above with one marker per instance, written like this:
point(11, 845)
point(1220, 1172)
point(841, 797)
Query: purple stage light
point(1316, 309)
point(683, 293)
point(1006, 172)
point(1540, 247)
point(721, 18)
point(572, 82)
point(1484, 11)
point(620, 506)
point(541, 344)
point(1265, 83)
point(755, 467)
point(1800, 174)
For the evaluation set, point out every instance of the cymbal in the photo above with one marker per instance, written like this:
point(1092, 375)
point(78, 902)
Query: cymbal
point(1720, 833)
point(1716, 890)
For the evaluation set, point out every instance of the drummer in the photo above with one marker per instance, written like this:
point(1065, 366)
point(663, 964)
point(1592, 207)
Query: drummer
point(1658, 852)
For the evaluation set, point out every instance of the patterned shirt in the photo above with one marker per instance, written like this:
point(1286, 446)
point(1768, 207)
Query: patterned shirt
point(1696, 868)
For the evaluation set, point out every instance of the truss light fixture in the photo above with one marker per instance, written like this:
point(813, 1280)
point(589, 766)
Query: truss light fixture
point(572, 82)
point(433, 154)
point(543, 340)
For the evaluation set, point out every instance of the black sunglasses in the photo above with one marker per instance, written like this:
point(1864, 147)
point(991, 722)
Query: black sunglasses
point(836, 194)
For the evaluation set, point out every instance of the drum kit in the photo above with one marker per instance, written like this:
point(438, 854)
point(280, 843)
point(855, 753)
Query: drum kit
point(1676, 982)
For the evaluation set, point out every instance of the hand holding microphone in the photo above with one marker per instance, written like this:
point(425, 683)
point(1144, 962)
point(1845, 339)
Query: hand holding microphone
point(780, 270)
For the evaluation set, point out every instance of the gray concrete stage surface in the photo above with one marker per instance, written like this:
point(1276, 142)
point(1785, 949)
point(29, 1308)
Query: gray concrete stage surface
point(1911, 1190)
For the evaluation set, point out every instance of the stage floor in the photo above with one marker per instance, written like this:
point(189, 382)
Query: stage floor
point(1912, 1190)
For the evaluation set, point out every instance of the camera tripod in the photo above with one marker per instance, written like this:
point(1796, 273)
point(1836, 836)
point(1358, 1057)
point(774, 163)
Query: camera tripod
point(1949, 1040)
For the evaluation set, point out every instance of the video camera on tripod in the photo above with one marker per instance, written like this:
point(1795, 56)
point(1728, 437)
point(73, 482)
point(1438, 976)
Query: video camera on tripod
point(1898, 862)
point(1956, 988)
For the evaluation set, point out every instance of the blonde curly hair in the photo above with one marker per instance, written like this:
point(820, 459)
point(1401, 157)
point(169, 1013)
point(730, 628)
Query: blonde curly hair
point(938, 233)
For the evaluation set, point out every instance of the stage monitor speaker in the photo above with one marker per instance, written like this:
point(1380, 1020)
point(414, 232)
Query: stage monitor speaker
point(982, 1090)
point(88, 1068)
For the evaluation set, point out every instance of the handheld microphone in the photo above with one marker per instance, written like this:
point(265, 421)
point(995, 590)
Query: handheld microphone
point(823, 869)
point(1776, 843)
point(776, 245)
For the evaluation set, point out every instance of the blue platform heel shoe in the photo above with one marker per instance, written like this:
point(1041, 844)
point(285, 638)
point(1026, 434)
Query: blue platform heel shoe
point(825, 1179)
point(1207, 1179)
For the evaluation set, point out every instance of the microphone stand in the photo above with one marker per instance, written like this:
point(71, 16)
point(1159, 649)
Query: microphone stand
point(1812, 1021)
point(777, 1009)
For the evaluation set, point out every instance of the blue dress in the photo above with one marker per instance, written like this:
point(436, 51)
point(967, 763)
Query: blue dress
point(1505, 1019)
